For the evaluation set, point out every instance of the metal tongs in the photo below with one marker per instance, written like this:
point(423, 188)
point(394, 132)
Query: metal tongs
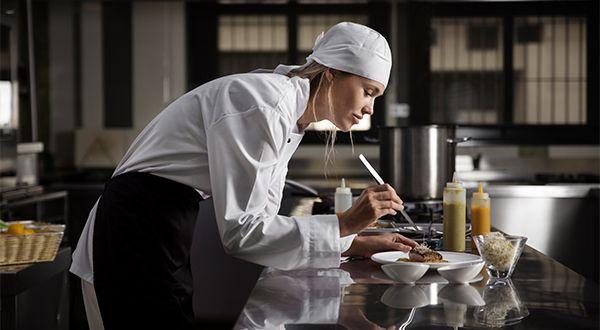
point(379, 180)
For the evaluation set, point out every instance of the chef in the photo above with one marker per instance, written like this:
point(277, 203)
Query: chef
point(230, 140)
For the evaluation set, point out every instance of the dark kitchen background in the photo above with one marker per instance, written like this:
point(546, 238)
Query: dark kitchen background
point(80, 79)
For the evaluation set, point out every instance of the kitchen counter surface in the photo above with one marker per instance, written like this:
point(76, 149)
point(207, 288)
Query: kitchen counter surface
point(359, 296)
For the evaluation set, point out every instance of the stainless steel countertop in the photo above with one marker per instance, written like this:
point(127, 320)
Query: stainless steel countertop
point(359, 296)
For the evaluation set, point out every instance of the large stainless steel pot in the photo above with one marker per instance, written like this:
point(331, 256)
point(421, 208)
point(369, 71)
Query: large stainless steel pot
point(418, 160)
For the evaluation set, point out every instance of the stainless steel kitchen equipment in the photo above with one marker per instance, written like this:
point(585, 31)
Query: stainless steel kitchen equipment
point(559, 220)
point(418, 160)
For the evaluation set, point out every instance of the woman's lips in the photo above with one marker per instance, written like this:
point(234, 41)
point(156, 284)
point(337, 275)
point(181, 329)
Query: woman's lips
point(356, 119)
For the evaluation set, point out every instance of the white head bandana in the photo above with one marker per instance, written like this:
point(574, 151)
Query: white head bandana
point(351, 48)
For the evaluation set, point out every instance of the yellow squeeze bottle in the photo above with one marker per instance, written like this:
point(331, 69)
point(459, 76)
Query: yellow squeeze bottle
point(480, 215)
point(454, 216)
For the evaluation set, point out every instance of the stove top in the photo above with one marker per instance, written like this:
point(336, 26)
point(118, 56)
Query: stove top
point(425, 211)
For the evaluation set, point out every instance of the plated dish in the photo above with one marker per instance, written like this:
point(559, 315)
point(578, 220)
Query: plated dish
point(451, 258)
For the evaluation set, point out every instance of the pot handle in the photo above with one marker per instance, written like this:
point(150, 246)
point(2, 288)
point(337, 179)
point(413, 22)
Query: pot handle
point(458, 140)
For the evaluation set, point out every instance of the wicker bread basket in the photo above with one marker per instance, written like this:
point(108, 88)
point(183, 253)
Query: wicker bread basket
point(29, 248)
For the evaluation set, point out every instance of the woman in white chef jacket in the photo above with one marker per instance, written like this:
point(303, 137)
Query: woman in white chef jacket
point(230, 139)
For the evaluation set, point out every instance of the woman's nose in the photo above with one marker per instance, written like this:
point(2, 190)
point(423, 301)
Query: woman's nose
point(367, 110)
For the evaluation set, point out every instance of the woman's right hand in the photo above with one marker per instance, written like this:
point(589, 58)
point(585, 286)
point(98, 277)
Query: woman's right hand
point(372, 204)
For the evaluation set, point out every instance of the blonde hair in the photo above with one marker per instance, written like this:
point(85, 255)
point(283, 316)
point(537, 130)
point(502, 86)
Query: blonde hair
point(314, 72)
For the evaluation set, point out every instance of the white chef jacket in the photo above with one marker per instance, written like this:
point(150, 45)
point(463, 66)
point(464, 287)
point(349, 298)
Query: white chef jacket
point(311, 297)
point(232, 139)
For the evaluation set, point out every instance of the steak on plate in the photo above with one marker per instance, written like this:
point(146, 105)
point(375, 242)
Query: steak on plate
point(422, 253)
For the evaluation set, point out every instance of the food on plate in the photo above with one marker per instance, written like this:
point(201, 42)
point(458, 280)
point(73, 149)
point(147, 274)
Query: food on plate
point(422, 253)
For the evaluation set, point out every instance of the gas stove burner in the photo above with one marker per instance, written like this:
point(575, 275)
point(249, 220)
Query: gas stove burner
point(428, 217)
point(425, 211)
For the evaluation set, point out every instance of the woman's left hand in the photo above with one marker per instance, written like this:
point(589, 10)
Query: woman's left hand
point(365, 246)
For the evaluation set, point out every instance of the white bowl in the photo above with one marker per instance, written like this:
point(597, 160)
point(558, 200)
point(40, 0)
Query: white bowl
point(462, 273)
point(461, 294)
point(405, 272)
point(405, 296)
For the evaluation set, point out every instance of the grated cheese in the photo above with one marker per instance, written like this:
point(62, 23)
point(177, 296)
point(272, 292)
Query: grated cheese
point(498, 251)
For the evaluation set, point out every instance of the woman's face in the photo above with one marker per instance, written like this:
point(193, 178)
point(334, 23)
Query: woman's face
point(352, 97)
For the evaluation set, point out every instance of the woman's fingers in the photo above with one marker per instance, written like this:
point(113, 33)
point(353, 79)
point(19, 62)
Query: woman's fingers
point(387, 207)
point(383, 192)
point(402, 247)
point(388, 195)
point(405, 240)
point(394, 245)
point(383, 196)
point(374, 203)
point(392, 205)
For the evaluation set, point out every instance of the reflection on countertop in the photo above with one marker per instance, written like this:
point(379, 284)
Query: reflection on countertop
point(543, 294)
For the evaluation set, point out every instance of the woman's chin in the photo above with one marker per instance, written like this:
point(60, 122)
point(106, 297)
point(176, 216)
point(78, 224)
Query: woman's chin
point(344, 127)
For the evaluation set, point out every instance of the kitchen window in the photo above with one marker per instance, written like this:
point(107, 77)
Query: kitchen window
point(261, 41)
point(249, 42)
point(507, 69)
point(483, 36)
point(550, 70)
point(466, 70)
point(245, 37)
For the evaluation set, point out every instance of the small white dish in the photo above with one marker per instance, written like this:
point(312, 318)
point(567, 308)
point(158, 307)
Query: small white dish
point(429, 278)
point(405, 272)
point(462, 273)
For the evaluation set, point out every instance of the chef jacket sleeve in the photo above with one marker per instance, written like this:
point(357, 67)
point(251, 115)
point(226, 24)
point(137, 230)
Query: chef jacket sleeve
point(243, 152)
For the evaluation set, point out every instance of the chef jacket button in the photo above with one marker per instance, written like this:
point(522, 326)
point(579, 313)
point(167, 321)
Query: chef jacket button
point(289, 140)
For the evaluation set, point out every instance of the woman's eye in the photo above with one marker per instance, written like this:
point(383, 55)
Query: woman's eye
point(368, 93)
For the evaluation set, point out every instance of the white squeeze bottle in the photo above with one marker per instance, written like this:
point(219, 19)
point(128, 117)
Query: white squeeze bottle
point(343, 198)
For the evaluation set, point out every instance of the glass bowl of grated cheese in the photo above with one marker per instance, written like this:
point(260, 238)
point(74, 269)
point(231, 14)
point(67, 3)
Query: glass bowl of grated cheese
point(500, 252)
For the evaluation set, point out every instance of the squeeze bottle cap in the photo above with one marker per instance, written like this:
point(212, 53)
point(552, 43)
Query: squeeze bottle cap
point(480, 194)
point(454, 183)
point(343, 189)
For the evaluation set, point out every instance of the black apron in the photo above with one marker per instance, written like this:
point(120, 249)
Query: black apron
point(142, 237)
